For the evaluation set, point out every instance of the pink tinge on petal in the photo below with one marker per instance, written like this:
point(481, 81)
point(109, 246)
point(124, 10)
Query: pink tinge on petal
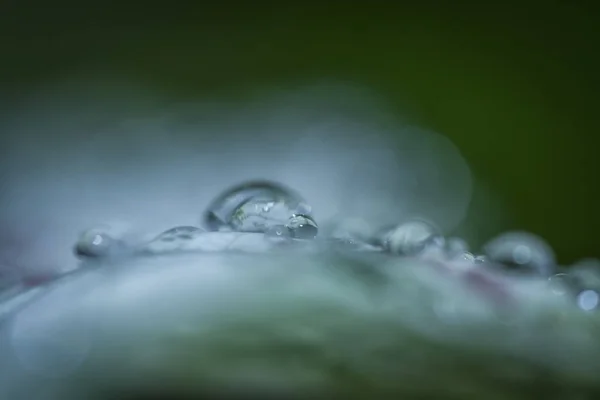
point(39, 278)
point(488, 286)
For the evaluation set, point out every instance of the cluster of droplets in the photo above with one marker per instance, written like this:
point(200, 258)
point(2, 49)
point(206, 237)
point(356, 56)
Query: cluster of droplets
point(513, 253)
point(267, 208)
point(281, 216)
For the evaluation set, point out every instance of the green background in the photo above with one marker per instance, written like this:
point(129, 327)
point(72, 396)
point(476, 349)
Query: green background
point(515, 87)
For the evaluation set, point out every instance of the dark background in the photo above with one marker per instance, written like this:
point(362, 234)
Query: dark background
point(514, 86)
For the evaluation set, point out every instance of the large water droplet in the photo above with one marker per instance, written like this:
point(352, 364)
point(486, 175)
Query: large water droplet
point(256, 206)
point(521, 252)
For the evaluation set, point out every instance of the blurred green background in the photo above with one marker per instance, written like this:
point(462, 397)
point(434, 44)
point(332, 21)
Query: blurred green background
point(515, 87)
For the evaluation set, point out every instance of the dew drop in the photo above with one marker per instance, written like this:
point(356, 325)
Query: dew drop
point(481, 259)
point(256, 206)
point(588, 300)
point(179, 233)
point(456, 248)
point(409, 238)
point(521, 252)
point(436, 241)
point(559, 284)
point(96, 243)
point(470, 257)
point(302, 227)
point(278, 234)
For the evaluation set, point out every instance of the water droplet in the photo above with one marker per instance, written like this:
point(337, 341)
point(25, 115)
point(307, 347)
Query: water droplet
point(470, 257)
point(521, 252)
point(559, 283)
point(456, 247)
point(409, 238)
point(302, 227)
point(481, 259)
point(585, 275)
point(588, 300)
point(256, 206)
point(278, 234)
point(96, 243)
point(179, 232)
point(434, 247)
point(436, 241)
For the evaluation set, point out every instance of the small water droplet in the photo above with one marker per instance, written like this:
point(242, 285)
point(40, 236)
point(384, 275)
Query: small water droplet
point(455, 248)
point(278, 234)
point(588, 300)
point(409, 238)
point(521, 252)
point(585, 275)
point(559, 283)
point(437, 241)
point(179, 232)
point(96, 243)
point(481, 259)
point(302, 227)
point(470, 257)
point(434, 247)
